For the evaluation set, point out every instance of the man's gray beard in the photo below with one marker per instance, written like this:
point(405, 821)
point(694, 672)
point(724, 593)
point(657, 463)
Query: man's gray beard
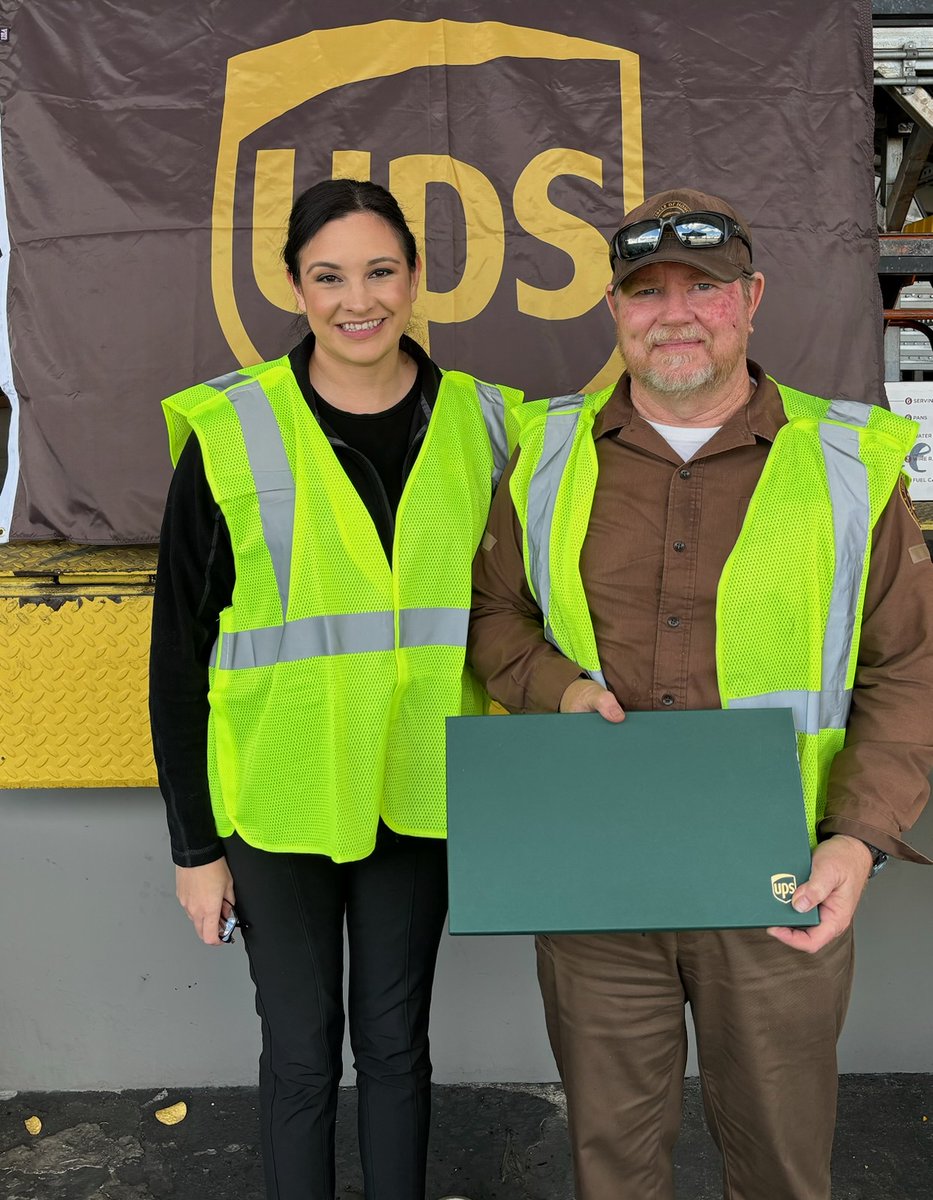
point(701, 379)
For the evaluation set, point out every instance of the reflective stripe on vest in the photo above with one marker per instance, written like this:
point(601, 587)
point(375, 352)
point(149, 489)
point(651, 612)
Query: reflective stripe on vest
point(542, 498)
point(342, 633)
point(847, 481)
point(492, 406)
point(275, 482)
point(339, 633)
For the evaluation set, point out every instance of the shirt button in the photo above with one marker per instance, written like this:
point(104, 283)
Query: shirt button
point(685, 473)
point(667, 699)
point(680, 547)
point(673, 622)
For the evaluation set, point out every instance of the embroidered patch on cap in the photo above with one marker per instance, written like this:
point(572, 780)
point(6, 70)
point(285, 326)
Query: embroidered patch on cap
point(670, 207)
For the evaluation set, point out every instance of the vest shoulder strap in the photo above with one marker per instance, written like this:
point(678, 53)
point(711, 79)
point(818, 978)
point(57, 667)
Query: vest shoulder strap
point(799, 404)
point(182, 406)
point(498, 405)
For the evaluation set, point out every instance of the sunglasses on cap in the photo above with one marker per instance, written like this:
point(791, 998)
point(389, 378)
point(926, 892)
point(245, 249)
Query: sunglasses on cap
point(695, 230)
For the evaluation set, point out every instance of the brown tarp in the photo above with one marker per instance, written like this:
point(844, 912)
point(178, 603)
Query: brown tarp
point(150, 153)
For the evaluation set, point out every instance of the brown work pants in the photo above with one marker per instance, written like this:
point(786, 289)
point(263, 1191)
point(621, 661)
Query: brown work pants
point(767, 1019)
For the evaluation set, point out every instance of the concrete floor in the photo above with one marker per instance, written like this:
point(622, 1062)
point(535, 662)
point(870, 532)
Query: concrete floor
point(489, 1143)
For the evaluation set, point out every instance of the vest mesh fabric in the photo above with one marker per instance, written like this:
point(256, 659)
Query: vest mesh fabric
point(766, 630)
point(568, 614)
point(570, 618)
point(306, 755)
point(815, 754)
point(441, 518)
point(769, 636)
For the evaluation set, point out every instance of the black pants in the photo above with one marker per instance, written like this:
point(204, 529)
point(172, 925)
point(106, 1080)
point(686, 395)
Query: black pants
point(394, 903)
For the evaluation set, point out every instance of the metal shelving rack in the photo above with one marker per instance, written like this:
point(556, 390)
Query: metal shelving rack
point(903, 69)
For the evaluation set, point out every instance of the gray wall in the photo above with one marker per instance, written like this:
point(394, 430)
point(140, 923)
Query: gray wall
point(103, 983)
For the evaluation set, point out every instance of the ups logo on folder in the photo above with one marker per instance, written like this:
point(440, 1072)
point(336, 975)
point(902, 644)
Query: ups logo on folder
point(783, 887)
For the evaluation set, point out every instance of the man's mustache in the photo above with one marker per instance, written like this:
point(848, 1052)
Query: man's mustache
point(688, 333)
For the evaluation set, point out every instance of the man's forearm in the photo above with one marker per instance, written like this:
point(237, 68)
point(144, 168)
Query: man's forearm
point(878, 784)
point(516, 664)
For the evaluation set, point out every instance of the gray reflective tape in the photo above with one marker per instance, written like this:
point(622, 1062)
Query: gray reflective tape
point(542, 495)
point(558, 403)
point(433, 626)
point(492, 404)
point(309, 637)
point(222, 382)
point(834, 708)
point(851, 411)
point(342, 633)
point(275, 483)
point(272, 472)
point(813, 711)
point(848, 491)
point(542, 500)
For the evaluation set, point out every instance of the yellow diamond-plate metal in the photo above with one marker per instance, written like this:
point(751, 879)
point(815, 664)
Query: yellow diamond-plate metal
point(75, 692)
point(67, 562)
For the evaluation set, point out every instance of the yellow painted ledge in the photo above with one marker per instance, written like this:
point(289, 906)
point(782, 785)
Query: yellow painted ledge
point(74, 643)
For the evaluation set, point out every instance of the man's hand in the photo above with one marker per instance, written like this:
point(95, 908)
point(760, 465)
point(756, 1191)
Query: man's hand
point(840, 870)
point(586, 695)
point(204, 893)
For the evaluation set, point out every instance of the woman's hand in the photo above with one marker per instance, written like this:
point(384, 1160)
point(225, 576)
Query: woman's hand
point(206, 894)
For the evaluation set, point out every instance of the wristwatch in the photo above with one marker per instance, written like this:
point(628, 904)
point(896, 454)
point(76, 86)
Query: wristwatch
point(878, 860)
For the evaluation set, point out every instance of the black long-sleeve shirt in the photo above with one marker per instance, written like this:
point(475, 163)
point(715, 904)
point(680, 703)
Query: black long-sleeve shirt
point(196, 573)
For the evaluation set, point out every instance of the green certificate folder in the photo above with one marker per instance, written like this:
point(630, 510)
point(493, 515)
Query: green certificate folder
point(566, 823)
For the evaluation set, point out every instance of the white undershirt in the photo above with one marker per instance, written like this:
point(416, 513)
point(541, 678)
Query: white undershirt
point(685, 440)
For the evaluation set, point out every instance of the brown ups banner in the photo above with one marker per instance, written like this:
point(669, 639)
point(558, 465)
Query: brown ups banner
point(150, 154)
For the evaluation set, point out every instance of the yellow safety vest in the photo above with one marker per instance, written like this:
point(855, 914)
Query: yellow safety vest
point(334, 670)
point(789, 600)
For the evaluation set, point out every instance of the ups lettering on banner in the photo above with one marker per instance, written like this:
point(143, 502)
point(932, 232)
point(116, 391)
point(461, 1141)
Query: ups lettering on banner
point(472, 201)
point(410, 177)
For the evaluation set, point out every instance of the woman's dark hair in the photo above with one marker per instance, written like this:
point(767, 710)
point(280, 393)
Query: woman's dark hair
point(335, 198)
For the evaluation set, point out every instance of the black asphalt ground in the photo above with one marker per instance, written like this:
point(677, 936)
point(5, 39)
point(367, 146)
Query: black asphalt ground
point(489, 1143)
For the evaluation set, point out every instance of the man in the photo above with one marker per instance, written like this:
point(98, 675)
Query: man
point(697, 537)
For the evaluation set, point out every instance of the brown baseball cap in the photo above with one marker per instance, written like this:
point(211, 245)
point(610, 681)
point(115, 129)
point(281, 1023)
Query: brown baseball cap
point(725, 262)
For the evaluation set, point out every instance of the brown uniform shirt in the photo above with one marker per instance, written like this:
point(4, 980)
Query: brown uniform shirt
point(659, 534)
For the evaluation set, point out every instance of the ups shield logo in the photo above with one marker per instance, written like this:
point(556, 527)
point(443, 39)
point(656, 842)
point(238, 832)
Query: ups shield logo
point(783, 887)
point(510, 190)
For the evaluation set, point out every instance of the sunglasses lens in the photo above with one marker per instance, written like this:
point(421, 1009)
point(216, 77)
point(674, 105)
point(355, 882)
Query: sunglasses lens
point(638, 239)
point(700, 231)
point(696, 231)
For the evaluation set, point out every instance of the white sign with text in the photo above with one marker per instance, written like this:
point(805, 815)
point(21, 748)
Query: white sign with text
point(915, 400)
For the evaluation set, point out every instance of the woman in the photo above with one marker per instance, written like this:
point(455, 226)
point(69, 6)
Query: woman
point(309, 627)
